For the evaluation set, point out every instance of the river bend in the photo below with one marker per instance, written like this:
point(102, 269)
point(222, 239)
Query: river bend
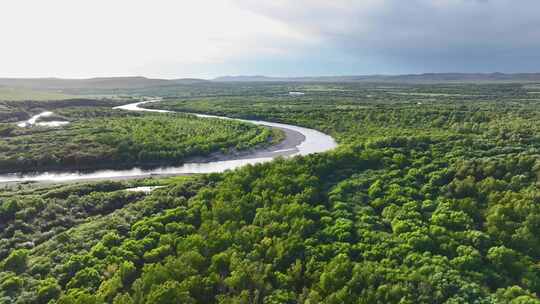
point(298, 141)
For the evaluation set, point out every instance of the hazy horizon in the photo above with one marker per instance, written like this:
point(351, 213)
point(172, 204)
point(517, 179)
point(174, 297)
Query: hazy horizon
point(259, 75)
point(268, 76)
point(207, 39)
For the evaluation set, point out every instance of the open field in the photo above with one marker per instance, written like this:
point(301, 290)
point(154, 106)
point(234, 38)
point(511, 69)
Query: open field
point(14, 94)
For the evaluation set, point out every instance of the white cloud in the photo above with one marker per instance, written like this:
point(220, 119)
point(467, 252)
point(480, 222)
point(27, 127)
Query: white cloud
point(76, 38)
point(203, 38)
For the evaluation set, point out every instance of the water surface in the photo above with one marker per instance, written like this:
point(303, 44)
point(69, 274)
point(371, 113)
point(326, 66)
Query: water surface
point(298, 141)
point(33, 121)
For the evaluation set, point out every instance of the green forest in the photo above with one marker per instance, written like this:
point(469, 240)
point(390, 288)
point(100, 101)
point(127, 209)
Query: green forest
point(431, 197)
point(103, 138)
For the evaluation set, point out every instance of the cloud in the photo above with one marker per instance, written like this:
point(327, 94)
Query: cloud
point(160, 38)
point(205, 38)
point(420, 34)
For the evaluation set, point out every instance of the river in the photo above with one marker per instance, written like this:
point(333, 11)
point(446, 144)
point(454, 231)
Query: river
point(298, 141)
point(34, 121)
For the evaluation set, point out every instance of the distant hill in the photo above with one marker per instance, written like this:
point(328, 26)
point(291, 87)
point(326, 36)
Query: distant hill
point(247, 78)
point(410, 78)
point(186, 81)
point(127, 83)
point(106, 83)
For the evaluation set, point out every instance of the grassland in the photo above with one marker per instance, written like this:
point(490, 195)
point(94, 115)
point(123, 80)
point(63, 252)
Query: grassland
point(14, 94)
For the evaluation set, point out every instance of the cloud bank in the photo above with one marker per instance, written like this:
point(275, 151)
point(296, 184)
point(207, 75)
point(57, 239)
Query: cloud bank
point(419, 35)
point(206, 38)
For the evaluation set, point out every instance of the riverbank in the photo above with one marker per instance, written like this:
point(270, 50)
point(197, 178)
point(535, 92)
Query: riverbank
point(297, 141)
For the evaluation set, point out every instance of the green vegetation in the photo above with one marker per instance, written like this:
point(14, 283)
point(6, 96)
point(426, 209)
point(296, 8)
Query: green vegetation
point(430, 198)
point(15, 111)
point(111, 139)
point(13, 94)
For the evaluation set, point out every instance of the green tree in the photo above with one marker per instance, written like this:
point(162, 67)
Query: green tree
point(16, 261)
point(169, 293)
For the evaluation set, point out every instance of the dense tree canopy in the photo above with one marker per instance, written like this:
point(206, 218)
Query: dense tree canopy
point(434, 202)
point(106, 138)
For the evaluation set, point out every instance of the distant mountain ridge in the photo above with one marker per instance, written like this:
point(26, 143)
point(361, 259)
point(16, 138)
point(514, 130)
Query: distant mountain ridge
point(135, 82)
point(138, 82)
point(414, 78)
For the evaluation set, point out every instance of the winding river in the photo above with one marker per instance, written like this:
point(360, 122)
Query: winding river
point(34, 121)
point(298, 141)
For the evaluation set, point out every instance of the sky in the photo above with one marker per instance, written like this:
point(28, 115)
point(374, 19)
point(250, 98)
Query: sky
point(210, 38)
